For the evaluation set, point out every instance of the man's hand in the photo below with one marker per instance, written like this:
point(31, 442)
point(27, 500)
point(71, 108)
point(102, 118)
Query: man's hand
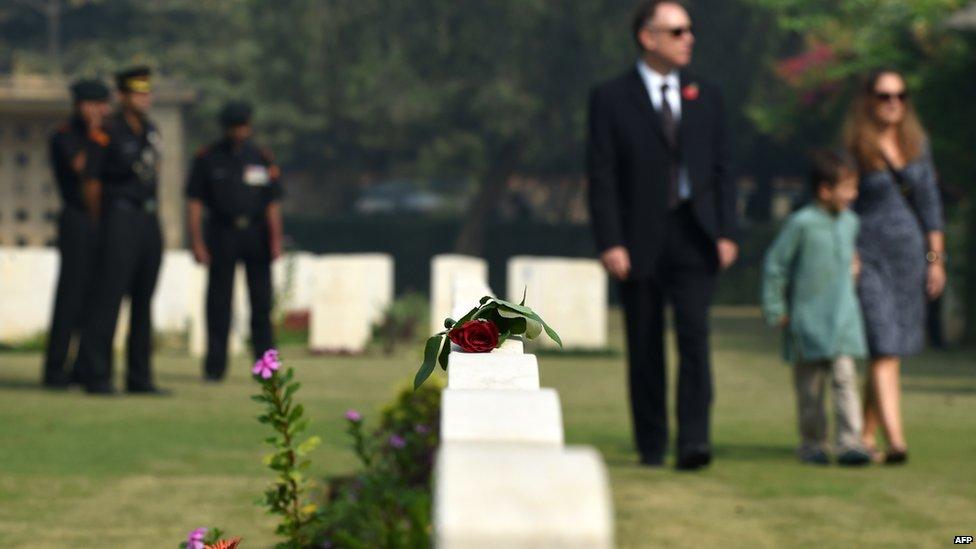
point(856, 265)
point(728, 251)
point(784, 321)
point(200, 253)
point(616, 261)
point(276, 247)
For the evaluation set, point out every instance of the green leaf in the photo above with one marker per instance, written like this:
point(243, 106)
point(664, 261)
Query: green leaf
point(508, 313)
point(292, 388)
point(444, 354)
point(308, 445)
point(525, 292)
point(430, 360)
point(296, 413)
point(533, 328)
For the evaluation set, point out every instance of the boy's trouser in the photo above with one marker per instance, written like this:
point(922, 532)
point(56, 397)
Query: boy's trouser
point(810, 378)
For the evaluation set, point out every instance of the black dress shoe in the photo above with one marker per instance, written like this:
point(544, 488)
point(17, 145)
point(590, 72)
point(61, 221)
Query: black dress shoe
point(692, 459)
point(150, 390)
point(652, 461)
point(55, 384)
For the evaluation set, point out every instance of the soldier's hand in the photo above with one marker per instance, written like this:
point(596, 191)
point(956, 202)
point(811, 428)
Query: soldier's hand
point(276, 248)
point(616, 260)
point(201, 254)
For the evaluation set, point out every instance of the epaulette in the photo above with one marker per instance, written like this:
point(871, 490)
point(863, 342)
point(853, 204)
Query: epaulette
point(99, 136)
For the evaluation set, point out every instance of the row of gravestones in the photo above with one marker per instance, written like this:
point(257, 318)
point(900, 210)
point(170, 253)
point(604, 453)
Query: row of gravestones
point(503, 477)
point(345, 295)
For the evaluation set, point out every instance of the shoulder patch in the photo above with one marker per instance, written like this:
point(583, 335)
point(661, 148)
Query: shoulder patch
point(100, 137)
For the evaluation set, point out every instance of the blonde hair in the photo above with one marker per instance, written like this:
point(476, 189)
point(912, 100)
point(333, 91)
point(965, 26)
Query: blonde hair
point(862, 131)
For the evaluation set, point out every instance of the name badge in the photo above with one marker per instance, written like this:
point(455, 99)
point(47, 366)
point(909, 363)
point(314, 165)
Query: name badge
point(256, 175)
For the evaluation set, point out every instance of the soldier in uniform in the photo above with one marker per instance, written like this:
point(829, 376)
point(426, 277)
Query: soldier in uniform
point(237, 183)
point(131, 241)
point(76, 225)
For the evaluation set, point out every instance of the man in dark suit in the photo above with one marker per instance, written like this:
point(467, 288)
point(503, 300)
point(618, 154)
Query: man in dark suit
point(663, 208)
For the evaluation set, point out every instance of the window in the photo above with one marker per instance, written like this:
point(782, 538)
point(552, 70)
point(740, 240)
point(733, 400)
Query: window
point(22, 215)
point(51, 215)
point(51, 243)
point(22, 160)
point(23, 132)
point(21, 241)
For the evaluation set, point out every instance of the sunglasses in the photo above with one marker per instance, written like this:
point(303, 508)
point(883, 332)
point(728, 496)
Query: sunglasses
point(886, 97)
point(675, 32)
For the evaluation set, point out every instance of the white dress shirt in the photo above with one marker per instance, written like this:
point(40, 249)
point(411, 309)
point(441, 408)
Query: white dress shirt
point(654, 81)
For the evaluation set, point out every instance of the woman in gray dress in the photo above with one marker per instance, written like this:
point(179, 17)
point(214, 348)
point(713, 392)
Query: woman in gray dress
point(901, 244)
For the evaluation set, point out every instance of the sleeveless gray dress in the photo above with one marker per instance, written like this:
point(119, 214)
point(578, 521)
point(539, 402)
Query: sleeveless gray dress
point(892, 244)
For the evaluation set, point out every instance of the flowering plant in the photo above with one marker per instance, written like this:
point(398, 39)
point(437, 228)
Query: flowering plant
point(285, 497)
point(208, 538)
point(484, 328)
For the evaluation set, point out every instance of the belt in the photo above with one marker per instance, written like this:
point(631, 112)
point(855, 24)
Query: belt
point(237, 222)
point(134, 204)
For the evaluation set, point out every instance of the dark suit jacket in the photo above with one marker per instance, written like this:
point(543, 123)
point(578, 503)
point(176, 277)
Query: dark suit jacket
point(628, 160)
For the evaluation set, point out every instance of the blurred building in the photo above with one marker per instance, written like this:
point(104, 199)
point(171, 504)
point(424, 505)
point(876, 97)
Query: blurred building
point(31, 107)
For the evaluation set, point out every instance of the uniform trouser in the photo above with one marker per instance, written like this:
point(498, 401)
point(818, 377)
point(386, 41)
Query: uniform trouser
point(77, 238)
point(685, 276)
point(809, 379)
point(130, 253)
point(228, 245)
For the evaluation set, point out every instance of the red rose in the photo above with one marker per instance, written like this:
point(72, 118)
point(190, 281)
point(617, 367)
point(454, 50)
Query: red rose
point(690, 92)
point(476, 336)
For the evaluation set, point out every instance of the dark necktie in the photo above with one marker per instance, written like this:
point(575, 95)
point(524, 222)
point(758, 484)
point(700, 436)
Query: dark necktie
point(670, 128)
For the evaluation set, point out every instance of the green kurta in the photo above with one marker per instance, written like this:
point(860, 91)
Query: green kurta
point(807, 275)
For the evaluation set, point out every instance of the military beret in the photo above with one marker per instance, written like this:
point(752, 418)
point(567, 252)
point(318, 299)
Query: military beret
point(134, 79)
point(235, 113)
point(89, 90)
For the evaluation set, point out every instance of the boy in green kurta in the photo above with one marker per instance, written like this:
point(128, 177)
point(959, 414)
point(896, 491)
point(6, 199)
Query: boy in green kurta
point(808, 290)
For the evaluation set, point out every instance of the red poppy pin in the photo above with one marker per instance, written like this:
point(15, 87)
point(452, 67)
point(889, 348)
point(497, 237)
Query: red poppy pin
point(690, 92)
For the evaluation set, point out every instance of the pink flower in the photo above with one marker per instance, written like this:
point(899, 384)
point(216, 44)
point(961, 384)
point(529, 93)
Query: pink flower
point(353, 416)
point(397, 441)
point(267, 365)
point(195, 540)
point(422, 429)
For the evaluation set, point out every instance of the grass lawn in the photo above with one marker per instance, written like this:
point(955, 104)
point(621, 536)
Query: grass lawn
point(141, 472)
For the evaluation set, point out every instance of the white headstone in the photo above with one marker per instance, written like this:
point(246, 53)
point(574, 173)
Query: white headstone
point(499, 415)
point(492, 371)
point(293, 275)
point(28, 280)
point(570, 294)
point(452, 275)
point(176, 293)
point(521, 497)
point(351, 294)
